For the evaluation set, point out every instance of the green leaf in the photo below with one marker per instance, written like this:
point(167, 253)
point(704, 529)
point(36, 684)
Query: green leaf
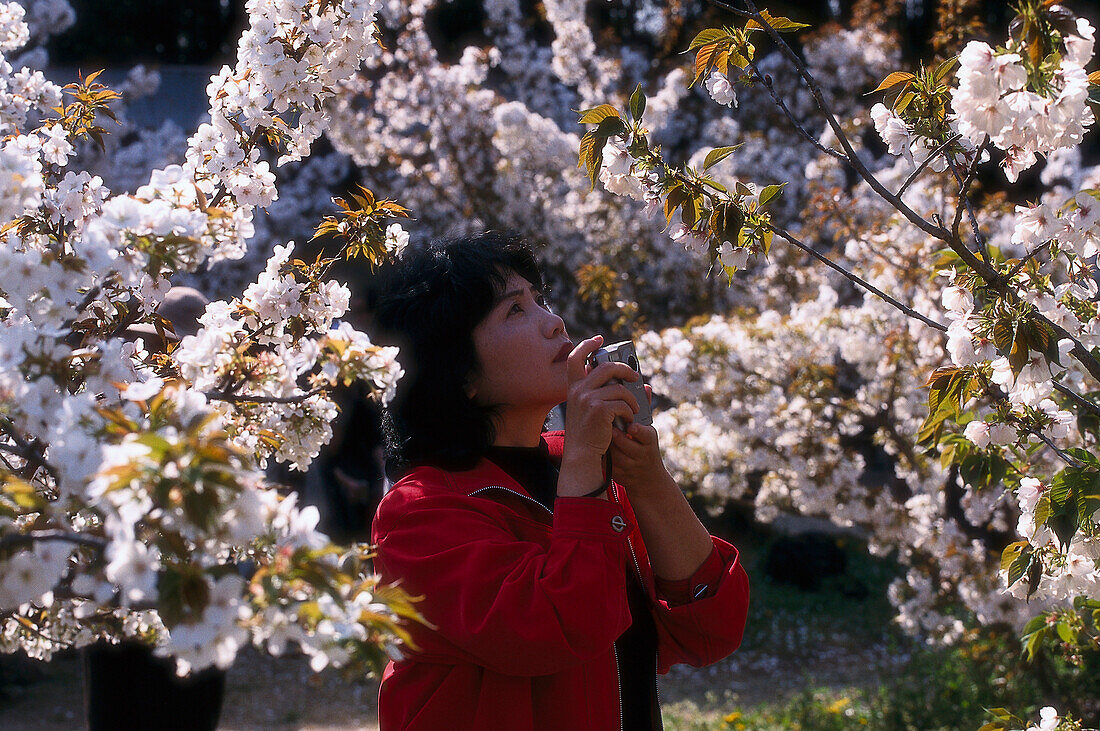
point(783, 25)
point(710, 35)
point(770, 192)
point(611, 127)
point(717, 155)
point(904, 101)
point(1066, 633)
point(591, 154)
point(674, 199)
point(946, 387)
point(596, 115)
point(1016, 559)
point(709, 56)
point(1035, 624)
point(1031, 646)
point(944, 68)
point(1004, 332)
point(637, 104)
point(726, 222)
point(895, 79)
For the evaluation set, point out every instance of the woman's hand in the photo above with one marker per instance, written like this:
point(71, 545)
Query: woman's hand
point(636, 458)
point(595, 399)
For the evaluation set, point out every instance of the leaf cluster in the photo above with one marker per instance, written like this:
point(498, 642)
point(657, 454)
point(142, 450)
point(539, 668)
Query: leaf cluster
point(719, 48)
point(90, 99)
point(360, 223)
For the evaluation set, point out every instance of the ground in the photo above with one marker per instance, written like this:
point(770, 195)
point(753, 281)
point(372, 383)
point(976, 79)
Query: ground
point(794, 640)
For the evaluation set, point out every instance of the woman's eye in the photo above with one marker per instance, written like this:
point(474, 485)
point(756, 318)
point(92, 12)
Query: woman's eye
point(515, 308)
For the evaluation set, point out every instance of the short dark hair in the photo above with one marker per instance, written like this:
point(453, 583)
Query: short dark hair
point(429, 304)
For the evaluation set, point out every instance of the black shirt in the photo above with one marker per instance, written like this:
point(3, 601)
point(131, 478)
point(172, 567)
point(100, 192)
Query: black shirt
point(636, 648)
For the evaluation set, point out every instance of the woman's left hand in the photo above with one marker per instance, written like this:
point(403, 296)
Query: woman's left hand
point(636, 462)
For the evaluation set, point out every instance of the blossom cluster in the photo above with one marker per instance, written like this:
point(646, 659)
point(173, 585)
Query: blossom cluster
point(278, 337)
point(993, 100)
point(131, 488)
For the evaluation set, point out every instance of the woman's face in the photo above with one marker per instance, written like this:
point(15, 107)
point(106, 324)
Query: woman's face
point(521, 346)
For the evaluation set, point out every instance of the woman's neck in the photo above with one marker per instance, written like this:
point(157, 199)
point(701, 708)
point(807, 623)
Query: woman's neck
point(519, 430)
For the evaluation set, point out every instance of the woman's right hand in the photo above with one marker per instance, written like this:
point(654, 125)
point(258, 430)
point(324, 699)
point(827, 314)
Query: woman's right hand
point(596, 398)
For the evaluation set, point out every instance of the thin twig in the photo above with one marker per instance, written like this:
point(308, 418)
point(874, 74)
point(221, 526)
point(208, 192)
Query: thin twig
point(29, 451)
point(18, 540)
point(1083, 355)
point(1077, 398)
point(926, 162)
point(1023, 262)
point(767, 81)
point(964, 191)
point(982, 245)
point(909, 311)
point(234, 398)
point(815, 90)
point(1068, 459)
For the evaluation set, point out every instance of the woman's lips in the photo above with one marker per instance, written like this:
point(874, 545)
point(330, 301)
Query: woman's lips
point(564, 352)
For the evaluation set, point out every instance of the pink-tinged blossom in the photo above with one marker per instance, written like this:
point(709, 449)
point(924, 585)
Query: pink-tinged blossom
point(720, 89)
point(957, 299)
point(977, 431)
point(616, 173)
point(1028, 493)
point(892, 129)
point(1048, 720)
point(1035, 225)
point(1079, 46)
point(1002, 434)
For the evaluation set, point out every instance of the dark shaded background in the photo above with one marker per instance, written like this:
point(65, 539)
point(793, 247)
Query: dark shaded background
point(205, 31)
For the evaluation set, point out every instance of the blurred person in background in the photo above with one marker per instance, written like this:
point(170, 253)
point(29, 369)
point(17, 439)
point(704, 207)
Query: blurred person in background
point(127, 687)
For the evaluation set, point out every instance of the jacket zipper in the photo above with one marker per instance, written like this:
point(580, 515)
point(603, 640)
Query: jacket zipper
point(517, 494)
point(619, 682)
point(657, 650)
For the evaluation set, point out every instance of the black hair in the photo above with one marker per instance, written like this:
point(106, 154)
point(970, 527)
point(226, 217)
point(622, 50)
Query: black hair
point(430, 303)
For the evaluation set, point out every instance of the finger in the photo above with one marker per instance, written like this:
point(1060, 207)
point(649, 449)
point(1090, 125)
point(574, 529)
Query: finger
point(625, 443)
point(649, 393)
point(618, 392)
point(643, 434)
point(578, 357)
point(621, 410)
point(605, 372)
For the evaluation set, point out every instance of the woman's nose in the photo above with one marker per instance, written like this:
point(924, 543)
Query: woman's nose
point(554, 324)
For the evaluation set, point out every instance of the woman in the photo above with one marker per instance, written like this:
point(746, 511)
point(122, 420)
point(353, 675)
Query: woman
point(553, 595)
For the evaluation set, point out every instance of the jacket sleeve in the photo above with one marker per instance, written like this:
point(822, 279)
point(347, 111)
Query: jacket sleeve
point(702, 620)
point(512, 606)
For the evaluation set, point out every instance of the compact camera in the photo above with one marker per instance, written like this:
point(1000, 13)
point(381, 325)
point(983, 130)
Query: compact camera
point(624, 353)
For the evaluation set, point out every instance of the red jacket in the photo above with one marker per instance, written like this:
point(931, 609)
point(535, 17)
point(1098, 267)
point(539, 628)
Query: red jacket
point(527, 604)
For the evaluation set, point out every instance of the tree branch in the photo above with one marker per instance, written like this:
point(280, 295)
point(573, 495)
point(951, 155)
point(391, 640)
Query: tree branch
point(908, 311)
point(926, 162)
point(32, 453)
point(1077, 398)
point(982, 245)
point(767, 82)
point(19, 540)
point(853, 159)
point(234, 398)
